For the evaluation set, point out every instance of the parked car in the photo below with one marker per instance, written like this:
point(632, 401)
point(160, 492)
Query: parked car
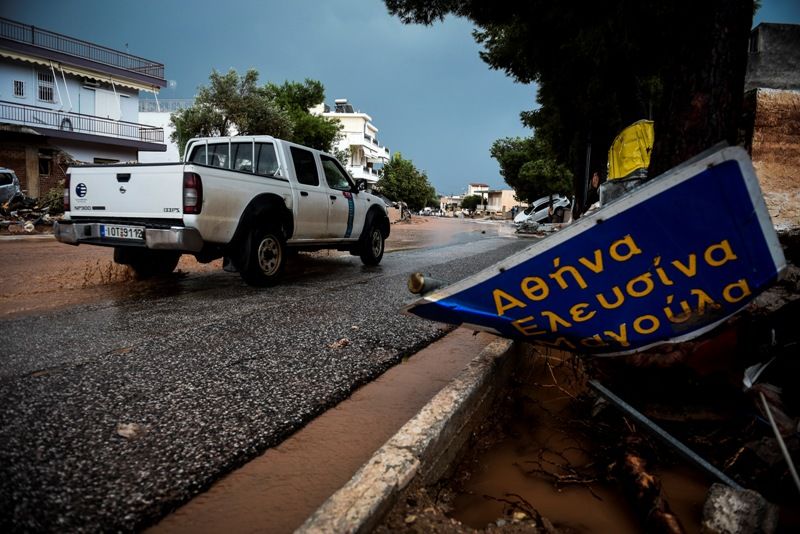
point(9, 184)
point(538, 211)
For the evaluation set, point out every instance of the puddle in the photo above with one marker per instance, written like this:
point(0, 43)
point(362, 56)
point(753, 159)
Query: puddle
point(552, 455)
point(547, 461)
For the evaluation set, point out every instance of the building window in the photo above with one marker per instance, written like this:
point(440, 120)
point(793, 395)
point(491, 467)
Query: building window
point(755, 42)
point(19, 88)
point(44, 166)
point(46, 87)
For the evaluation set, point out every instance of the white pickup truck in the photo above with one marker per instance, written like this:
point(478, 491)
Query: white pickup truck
point(249, 199)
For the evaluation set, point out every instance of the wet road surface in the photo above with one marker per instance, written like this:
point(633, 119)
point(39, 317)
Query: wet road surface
point(201, 373)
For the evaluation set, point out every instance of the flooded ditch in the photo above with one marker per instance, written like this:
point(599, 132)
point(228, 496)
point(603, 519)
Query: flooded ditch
point(554, 456)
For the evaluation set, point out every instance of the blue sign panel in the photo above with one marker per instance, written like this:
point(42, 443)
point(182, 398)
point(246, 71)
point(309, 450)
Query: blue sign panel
point(665, 263)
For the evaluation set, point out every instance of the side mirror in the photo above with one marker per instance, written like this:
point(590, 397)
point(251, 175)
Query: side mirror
point(361, 184)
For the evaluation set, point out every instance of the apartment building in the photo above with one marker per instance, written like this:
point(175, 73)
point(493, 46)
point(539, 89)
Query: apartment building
point(359, 137)
point(63, 99)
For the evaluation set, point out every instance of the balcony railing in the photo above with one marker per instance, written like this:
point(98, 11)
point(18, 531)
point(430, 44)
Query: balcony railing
point(75, 122)
point(361, 171)
point(22, 33)
point(374, 141)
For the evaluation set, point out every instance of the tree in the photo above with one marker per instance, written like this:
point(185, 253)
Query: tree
point(342, 155)
point(233, 103)
point(471, 202)
point(433, 198)
point(401, 181)
point(600, 66)
point(530, 168)
point(296, 99)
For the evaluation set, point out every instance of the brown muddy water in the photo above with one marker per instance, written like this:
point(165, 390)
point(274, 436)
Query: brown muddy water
point(546, 459)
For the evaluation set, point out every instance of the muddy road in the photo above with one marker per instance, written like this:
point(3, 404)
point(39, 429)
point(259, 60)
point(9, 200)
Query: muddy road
point(122, 399)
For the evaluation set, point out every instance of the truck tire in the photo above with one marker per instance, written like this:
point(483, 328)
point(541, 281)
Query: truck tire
point(372, 244)
point(147, 263)
point(264, 257)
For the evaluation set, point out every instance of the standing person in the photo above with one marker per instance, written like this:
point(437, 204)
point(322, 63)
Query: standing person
point(593, 195)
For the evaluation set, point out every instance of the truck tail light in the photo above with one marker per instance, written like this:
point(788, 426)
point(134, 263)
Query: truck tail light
point(192, 193)
point(66, 193)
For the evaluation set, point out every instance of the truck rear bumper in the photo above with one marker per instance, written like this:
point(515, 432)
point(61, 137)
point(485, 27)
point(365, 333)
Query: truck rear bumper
point(174, 238)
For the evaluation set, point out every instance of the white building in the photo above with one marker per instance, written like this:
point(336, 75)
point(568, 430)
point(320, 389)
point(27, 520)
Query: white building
point(360, 137)
point(157, 113)
point(477, 189)
point(501, 201)
point(63, 99)
point(450, 203)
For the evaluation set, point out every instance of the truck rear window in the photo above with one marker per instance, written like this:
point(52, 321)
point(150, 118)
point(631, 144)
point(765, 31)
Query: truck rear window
point(217, 155)
point(267, 162)
point(242, 157)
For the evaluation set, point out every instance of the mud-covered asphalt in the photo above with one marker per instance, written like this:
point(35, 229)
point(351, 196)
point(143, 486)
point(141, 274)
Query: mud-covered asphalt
point(114, 413)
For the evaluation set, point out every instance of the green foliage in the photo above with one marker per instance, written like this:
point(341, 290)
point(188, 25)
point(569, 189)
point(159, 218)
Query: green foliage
point(53, 199)
point(296, 99)
point(237, 103)
point(342, 155)
point(401, 181)
point(471, 202)
point(530, 167)
point(433, 198)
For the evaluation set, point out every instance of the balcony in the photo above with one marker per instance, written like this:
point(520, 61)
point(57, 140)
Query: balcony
point(374, 141)
point(359, 171)
point(25, 38)
point(77, 126)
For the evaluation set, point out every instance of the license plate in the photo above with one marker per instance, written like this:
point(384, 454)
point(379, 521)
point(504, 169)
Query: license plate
point(114, 231)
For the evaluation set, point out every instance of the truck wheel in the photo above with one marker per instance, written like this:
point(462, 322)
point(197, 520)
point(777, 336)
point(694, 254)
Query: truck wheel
point(147, 263)
point(265, 257)
point(372, 246)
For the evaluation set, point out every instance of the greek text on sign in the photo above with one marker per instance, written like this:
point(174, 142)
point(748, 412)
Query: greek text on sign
point(666, 263)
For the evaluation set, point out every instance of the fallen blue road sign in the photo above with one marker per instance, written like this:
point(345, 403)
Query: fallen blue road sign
point(666, 263)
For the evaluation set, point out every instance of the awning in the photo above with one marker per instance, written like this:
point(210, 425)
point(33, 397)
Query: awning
point(77, 71)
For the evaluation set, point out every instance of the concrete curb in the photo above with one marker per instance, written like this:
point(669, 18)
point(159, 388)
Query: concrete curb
point(424, 447)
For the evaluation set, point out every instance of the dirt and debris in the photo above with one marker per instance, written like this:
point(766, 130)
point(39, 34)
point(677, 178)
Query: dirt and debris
point(775, 149)
point(534, 229)
point(131, 431)
point(24, 215)
point(339, 344)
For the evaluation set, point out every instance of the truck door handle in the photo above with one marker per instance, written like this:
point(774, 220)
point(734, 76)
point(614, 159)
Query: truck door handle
point(303, 193)
point(333, 197)
point(123, 177)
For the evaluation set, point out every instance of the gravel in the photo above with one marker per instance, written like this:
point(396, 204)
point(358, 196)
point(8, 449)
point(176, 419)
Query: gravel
point(115, 414)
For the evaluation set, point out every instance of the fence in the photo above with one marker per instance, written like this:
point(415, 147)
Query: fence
point(76, 122)
point(31, 35)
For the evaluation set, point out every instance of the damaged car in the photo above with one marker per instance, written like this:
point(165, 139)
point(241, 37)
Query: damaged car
point(539, 210)
point(9, 185)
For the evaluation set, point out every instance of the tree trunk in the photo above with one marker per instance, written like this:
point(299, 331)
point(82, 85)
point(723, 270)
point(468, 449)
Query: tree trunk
point(702, 102)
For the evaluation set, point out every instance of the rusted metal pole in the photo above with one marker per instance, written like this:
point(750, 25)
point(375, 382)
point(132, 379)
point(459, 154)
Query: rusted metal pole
point(664, 435)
